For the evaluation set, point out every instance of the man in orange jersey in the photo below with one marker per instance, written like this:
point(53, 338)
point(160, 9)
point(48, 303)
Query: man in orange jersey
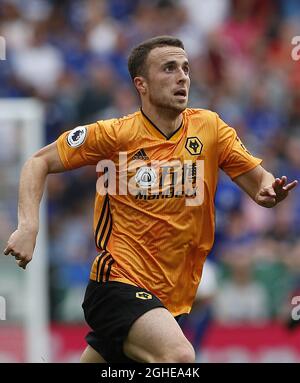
point(154, 211)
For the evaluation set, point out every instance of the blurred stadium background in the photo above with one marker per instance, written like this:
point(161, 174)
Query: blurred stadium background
point(70, 57)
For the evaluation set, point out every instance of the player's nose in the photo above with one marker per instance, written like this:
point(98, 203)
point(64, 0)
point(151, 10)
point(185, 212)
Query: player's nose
point(182, 76)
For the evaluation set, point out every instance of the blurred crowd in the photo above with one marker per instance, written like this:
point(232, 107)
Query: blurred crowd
point(72, 56)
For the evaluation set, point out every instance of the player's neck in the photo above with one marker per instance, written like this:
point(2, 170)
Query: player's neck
point(166, 122)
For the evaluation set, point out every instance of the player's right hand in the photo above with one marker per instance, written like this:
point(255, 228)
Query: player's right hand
point(21, 245)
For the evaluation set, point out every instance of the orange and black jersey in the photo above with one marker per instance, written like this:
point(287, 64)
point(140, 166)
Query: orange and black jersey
point(156, 239)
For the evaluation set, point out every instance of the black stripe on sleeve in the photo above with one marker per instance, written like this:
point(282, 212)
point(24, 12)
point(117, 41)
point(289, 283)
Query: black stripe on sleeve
point(108, 270)
point(106, 258)
point(105, 204)
point(101, 256)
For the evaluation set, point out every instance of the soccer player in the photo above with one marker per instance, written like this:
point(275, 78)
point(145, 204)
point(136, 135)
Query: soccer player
point(153, 234)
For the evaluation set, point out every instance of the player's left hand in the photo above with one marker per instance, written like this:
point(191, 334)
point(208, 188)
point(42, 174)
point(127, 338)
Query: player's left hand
point(271, 195)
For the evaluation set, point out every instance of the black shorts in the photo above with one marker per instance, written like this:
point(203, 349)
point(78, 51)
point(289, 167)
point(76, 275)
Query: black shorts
point(110, 308)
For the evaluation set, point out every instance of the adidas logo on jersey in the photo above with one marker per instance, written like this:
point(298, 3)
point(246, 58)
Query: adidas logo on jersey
point(140, 155)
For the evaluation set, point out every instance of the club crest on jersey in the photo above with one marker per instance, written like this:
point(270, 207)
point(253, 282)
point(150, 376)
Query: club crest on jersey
point(77, 136)
point(146, 177)
point(194, 146)
point(143, 295)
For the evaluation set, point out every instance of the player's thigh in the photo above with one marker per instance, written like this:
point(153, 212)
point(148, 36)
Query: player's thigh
point(90, 355)
point(156, 337)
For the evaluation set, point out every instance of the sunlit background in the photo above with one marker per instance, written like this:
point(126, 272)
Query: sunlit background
point(71, 56)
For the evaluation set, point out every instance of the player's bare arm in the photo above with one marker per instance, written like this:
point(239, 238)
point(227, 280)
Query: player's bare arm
point(32, 182)
point(263, 187)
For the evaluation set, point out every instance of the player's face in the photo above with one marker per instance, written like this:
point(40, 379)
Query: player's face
point(167, 80)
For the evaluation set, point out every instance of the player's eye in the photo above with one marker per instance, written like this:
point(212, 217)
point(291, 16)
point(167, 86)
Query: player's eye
point(186, 69)
point(169, 68)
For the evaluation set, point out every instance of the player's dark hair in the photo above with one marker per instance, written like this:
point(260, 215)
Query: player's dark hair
point(138, 56)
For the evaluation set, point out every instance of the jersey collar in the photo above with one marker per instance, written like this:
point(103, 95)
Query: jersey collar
point(157, 132)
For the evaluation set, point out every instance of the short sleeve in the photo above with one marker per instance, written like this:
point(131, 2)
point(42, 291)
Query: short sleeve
point(233, 156)
point(87, 145)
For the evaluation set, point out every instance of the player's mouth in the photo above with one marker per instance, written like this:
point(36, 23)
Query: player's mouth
point(181, 93)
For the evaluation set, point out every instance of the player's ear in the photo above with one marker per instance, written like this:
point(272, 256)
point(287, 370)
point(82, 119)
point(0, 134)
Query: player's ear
point(140, 84)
